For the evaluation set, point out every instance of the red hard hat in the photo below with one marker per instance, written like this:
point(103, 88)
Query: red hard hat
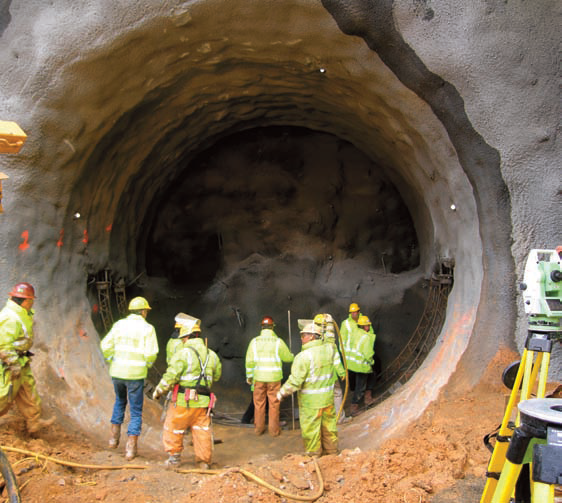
point(267, 321)
point(23, 291)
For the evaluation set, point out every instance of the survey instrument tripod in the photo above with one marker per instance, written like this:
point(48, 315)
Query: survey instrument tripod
point(532, 372)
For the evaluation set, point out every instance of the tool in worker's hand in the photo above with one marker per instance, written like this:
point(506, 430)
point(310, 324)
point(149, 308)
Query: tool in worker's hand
point(166, 405)
point(212, 401)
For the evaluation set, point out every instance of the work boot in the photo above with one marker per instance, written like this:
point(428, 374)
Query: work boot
point(115, 434)
point(40, 424)
point(203, 466)
point(173, 461)
point(354, 409)
point(131, 447)
point(369, 397)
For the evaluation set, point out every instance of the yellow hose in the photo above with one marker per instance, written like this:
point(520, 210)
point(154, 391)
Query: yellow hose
point(263, 483)
point(70, 463)
point(342, 350)
point(246, 473)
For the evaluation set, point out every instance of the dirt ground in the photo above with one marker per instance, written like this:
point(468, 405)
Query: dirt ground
point(441, 459)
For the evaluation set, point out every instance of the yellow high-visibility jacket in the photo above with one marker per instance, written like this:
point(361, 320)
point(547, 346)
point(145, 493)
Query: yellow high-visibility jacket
point(16, 333)
point(131, 347)
point(265, 356)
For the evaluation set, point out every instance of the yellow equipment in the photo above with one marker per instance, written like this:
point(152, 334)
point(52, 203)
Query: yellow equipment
point(542, 287)
point(12, 137)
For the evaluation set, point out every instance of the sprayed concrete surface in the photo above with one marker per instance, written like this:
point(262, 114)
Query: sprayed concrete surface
point(418, 132)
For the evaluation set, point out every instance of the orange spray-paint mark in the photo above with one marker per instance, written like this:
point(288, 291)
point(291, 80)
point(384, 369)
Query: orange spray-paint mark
point(60, 241)
point(25, 245)
point(85, 238)
point(95, 308)
point(108, 228)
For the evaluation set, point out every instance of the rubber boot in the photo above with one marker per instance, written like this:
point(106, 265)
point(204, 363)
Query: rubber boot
point(369, 397)
point(131, 447)
point(115, 434)
point(354, 409)
point(40, 424)
point(173, 461)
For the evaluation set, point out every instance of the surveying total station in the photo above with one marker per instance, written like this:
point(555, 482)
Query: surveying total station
point(534, 439)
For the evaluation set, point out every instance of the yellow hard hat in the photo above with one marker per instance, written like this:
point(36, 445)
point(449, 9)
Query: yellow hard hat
point(363, 320)
point(353, 308)
point(138, 303)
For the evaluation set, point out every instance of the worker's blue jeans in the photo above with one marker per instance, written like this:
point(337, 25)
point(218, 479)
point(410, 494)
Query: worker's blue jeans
point(133, 391)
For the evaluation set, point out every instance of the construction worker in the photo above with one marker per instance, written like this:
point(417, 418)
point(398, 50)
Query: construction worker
point(191, 373)
point(264, 372)
point(17, 383)
point(326, 324)
point(349, 324)
point(359, 352)
point(312, 375)
point(131, 348)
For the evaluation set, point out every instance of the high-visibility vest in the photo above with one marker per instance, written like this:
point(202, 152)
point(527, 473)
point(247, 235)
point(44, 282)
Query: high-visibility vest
point(312, 375)
point(185, 369)
point(359, 351)
point(265, 356)
point(131, 347)
point(16, 333)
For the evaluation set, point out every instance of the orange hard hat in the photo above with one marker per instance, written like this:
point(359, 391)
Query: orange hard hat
point(23, 291)
point(267, 322)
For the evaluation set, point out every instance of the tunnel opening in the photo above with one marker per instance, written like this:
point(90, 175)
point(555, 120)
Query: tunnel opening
point(283, 221)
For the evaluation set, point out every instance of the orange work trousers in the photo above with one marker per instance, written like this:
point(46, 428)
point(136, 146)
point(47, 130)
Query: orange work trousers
point(266, 392)
point(178, 420)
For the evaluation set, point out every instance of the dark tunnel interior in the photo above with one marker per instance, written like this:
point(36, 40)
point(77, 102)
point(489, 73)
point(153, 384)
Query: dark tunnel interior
point(282, 221)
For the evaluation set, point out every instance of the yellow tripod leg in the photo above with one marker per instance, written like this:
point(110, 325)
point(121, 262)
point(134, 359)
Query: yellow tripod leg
point(506, 484)
point(541, 391)
point(497, 460)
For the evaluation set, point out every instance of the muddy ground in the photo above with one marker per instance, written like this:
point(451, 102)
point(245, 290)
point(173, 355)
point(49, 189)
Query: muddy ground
point(440, 459)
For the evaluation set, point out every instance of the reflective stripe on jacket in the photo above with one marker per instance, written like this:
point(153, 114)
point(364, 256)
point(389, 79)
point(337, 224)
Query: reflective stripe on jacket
point(265, 356)
point(16, 333)
point(359, 351)
point(184, 368)
point(348, 326)
point(131, 346)
point(312, 375)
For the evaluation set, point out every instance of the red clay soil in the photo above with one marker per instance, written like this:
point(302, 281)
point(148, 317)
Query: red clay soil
point(441, 459)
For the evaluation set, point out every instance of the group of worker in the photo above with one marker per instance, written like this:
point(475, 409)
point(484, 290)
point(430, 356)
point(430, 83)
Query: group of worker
point(316, 373)
point(131, 348)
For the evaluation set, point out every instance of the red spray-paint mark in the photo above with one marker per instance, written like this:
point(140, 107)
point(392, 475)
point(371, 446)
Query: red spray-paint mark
point(96, 309)
point(25, 245)
point(82, 333)
point(85, 238)
point(108, 228)
point(60, 241)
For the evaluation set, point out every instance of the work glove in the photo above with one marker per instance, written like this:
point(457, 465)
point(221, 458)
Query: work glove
point(250, 381)
point(280, 396)
point(158, 392)
point(15, 369)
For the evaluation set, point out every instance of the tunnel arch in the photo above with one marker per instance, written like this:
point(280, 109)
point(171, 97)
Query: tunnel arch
point(180, 91)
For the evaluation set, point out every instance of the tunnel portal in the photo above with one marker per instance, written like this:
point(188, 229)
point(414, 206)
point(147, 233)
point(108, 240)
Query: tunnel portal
point(292, 159)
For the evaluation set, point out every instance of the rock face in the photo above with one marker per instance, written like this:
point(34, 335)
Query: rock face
point(232, 160)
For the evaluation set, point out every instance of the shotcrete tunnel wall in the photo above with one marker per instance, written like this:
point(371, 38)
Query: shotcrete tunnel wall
point(120, 101)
